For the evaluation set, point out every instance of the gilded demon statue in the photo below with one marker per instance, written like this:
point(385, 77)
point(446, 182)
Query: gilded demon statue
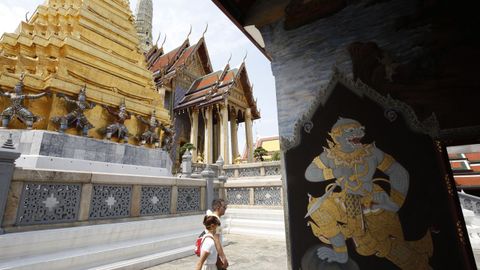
point(76, 116)
point(118, 128)
point(150, 136)
point(17, 108)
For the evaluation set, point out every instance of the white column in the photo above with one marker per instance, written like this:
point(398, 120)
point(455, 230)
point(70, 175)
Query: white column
point(161, 92)
point(208, 136)
point(194, 133)
point(224, 134)
point(216, 135)
point(234, 138)
point(248, 133)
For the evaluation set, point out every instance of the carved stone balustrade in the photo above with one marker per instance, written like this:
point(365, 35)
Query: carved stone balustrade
point(271, 168)
point(44, 199)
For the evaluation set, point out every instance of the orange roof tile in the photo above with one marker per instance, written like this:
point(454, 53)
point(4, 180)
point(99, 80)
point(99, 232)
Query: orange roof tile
point(197, 95)
point(455, 156)
point(459, 165)
point(475, 168)
point(184, 56)
point(467, 180)
point(205, 81)
point(163, 60)
point(230, 75)
point(472, 156)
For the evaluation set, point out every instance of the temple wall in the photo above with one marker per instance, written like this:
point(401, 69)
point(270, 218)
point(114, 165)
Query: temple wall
point(45, 150)
point(387, 65)
point(303, 58)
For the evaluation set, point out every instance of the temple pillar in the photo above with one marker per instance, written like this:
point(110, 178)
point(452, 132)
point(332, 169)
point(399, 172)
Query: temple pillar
point(224, 134)
point(234, 138)
point(216, 135)
point(248, 134)
point(161, 92)
point(194, 134)
point(208, 149)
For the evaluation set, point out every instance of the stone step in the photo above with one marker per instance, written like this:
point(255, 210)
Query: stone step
point(255, 223)
point(101, 245)
point(272, 234)
point(149, 260)
point(255, 213)
point(34, 243)
point(175, 246)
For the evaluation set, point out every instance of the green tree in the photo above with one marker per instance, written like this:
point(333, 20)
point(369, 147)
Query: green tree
point(259, 152)
point(276, 155)
point(185, 147)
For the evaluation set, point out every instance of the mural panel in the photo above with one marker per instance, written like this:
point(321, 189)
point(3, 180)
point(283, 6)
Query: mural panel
point(365, 188)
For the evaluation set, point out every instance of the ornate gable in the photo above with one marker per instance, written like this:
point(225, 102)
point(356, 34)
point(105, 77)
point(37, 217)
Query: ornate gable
point(184, 64)
point(242, 90)
point(228, 84)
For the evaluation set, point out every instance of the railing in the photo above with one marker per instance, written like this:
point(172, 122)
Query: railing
point(271, 168)
point(254, 192)
point(469, 202)
point(46, 198)
point(197, 169)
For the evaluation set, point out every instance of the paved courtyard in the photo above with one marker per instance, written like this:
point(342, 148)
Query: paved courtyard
point(243, 252)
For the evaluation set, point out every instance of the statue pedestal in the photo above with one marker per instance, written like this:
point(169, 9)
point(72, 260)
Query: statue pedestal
point(47, 150)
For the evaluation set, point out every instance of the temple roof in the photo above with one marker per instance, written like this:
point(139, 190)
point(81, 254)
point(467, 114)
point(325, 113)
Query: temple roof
point(164, 64)
point(217, 86)
point(465, 165)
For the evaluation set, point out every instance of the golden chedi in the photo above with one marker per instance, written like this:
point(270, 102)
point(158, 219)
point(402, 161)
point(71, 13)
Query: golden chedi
point(67, 44)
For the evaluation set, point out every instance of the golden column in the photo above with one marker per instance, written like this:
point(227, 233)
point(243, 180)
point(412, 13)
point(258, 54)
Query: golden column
point(208, 136)
point(249, 136)
point(224, 133)
point(233, 134)
point(194, 133)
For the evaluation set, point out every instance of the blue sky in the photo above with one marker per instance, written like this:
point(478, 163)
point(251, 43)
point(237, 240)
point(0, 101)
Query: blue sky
point(173, 18)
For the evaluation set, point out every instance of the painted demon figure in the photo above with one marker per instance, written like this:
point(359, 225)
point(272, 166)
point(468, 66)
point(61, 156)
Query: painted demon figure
point(355, 206)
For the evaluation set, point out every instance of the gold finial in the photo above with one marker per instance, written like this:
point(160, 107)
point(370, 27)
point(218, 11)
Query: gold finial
point(189, 32)
point(229, 58)
point(158, 38)
point(205, 31)
point(164, 39)
point(245, 57)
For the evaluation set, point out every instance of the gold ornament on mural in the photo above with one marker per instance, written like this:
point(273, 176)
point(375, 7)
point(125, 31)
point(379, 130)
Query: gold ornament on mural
point(460, 234)
point(448, 184)
point(439, 146)
point(356, 207)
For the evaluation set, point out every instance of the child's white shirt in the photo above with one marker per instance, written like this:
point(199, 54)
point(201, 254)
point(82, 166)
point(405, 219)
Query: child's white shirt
point(209, 246)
